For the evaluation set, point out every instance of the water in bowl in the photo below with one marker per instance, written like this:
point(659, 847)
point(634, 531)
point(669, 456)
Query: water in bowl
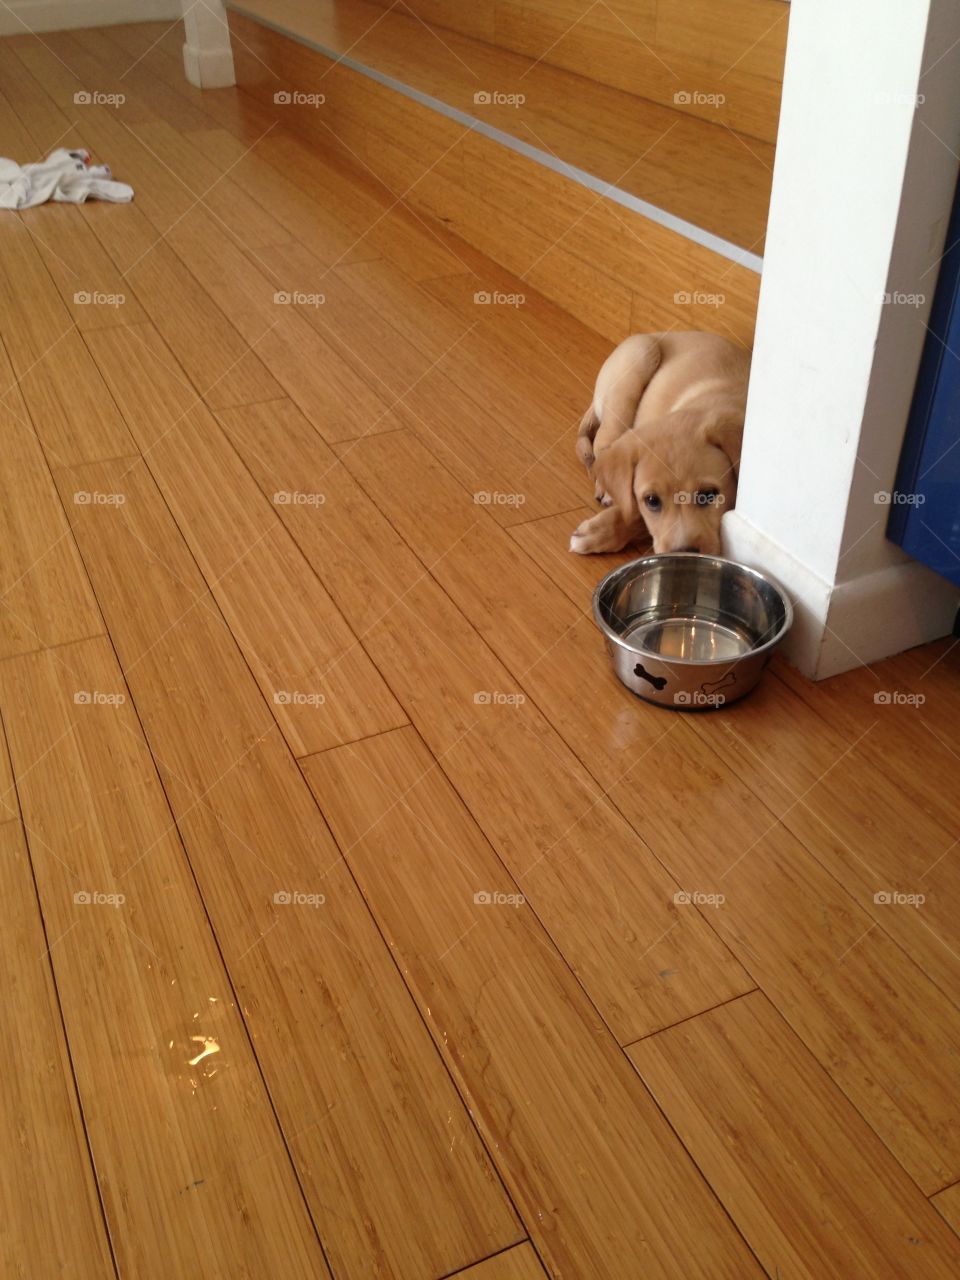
point(694, 639)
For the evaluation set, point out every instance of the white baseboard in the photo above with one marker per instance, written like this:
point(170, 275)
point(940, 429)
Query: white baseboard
point(17, 17)
point(884, 613)
point(847, 624)
point(209, 68)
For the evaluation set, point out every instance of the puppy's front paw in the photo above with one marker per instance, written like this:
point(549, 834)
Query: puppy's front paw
point(586, 538)
point(606, 531)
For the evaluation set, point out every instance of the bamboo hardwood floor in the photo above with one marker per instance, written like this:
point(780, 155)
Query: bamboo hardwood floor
point(345, 933)
point(704, 172)
point(51, 1207)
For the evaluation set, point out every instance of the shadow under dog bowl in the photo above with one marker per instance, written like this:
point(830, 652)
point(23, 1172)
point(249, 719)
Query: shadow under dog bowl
point(690, 631)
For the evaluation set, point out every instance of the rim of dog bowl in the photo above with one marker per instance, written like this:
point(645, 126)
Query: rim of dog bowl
point(755, 574)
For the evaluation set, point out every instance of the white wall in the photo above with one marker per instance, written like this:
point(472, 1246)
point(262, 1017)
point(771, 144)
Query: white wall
point(861, 195)
point(17, 17)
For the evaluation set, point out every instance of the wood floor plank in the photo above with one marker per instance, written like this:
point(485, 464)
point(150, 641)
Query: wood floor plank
point(9, 807)
point(15, 138)
point(869, 1013)
point(933, 670)
point(528, 402)
point(169, 177)
point(866, 820)
point(807, 1181)
point(133, 76)
point(373, 1122)
point(92, 289)
point(53, 1223)
point(385, 225)
point(321, 686)
point(524, 629)
point(864, 786)
point(219, 361)
point(480, 450)
point(227, 108)
point(518, 1263)
point(548, 541)
point(338, 402)
point(502, 1004)
point(47, 126)
point(536, 369)
point(537, 330)
point(71, 408)
point(142, 986)
point(334, 397)
point(377, 213)
point(378, 351)
point(363, 334)
point(227, 204)
point(101, 84)
point(947, 1204)
point(605, 901)
point(308, 220)
point(785, 915)
point(882, 702)
point(45, 598)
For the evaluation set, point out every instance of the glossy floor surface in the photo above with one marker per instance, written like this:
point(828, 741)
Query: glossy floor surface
point(713, 172)
point(357, 922)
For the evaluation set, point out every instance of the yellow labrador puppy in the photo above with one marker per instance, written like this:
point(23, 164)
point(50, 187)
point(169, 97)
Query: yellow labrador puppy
point(662, 442)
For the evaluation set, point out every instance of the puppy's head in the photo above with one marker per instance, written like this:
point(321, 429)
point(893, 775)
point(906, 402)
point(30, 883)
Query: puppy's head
point(680, 475)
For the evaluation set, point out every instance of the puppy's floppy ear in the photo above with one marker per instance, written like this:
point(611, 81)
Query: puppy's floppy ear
point(613, 471)
point(726, 434)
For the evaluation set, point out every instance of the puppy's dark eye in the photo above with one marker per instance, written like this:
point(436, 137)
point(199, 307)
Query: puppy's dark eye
point(653, 503)
point(708, 495)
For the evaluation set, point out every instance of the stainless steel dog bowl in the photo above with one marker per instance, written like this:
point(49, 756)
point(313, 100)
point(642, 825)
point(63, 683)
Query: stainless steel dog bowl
point(689, 631)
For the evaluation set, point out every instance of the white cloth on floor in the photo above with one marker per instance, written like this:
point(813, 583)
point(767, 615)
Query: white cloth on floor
point(65, 176)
